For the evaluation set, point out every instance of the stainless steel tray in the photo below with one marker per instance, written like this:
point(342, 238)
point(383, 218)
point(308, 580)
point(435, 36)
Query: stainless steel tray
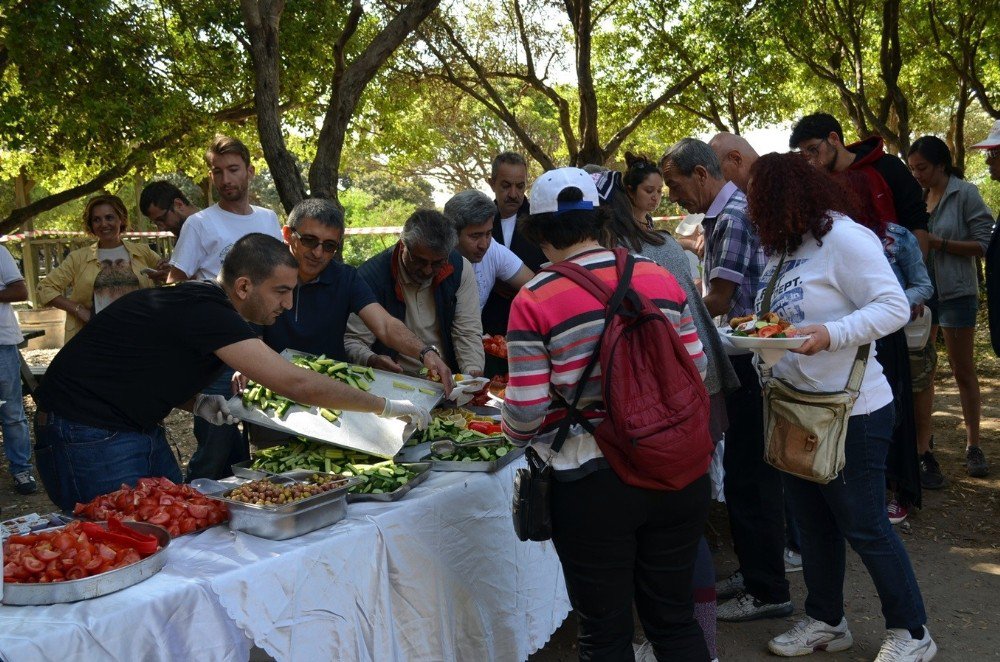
point(98, 585)
point(423, 470)
point(295, 506)
point(483, 466)
point(360, 431)
point(291, 520)
point(243, 470)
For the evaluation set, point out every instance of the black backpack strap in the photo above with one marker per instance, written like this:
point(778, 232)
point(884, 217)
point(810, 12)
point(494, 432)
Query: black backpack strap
point(589, 282)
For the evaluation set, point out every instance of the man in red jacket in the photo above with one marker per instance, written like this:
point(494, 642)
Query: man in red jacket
point(896, 195)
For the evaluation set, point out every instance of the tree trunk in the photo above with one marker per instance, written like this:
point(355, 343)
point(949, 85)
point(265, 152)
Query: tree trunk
point(349, 81)
point(262, 19)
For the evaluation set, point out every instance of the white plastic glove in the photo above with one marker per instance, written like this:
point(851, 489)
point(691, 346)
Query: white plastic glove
point(398, 408)
point(214, 409)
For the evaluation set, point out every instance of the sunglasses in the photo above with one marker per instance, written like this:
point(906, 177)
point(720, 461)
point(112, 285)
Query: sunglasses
point(311, 242)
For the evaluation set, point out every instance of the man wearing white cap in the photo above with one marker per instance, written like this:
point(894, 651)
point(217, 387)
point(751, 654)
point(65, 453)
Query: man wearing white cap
point(991, 145)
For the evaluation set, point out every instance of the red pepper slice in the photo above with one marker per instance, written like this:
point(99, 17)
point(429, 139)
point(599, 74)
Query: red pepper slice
point(99, 534)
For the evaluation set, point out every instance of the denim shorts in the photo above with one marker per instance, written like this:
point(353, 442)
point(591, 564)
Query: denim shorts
point(956, 313)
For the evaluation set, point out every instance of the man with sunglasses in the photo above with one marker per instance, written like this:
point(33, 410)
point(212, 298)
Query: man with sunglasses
point(991, 148)
point(328, 292)
point(427, 284)
point(896, 196)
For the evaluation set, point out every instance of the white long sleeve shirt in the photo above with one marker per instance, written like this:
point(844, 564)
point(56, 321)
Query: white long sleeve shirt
point(847, 285)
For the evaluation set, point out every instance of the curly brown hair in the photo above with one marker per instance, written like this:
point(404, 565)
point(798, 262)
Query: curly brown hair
point(787, 198)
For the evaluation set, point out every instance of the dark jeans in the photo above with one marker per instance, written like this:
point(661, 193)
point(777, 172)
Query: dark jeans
point(219, 446)
point(852, 507)
point(78, 462)
point(754, 496)
point(618, 543)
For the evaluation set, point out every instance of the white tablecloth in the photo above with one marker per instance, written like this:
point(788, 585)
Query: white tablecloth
point(438, 575)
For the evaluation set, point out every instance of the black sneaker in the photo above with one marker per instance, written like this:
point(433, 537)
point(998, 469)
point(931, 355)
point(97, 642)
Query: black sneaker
point(25, 483)
point(975, 462)
point(931, 477)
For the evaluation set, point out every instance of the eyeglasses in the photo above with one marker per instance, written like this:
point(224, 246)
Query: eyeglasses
point(813, 150)
point(311, 242)
point(162, 218)
point(421, 263)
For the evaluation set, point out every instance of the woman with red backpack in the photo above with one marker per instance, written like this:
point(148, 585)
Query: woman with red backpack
point(618, 542)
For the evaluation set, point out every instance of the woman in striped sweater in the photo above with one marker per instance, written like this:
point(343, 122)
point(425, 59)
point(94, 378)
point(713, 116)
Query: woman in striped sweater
point(616, 543)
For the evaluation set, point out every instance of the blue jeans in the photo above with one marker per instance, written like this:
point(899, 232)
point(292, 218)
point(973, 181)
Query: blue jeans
point(77, 462)
point(219, 446)
point(16, 440)
point(852, 507)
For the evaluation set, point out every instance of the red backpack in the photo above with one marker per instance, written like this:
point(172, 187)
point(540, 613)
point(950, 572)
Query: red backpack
point(655, 434)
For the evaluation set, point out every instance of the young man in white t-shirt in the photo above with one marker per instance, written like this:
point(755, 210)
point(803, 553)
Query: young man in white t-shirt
point(472, 213)
point(207, 235)
point(204, 241)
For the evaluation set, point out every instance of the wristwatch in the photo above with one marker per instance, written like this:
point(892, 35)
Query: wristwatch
point(429, 348)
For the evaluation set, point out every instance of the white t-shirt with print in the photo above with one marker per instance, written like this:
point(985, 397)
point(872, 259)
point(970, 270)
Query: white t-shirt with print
point(10, 330)
point(207, 236)
point(499, 262)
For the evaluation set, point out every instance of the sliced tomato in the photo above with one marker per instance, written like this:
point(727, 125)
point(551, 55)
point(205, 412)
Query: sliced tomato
point(46, 553)
point(199, 510)
point(159, 518)
point(31, 564)
point(768, 331)
point(76, 573)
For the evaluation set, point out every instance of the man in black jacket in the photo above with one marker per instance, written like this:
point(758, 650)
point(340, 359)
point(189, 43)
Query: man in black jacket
point(509, 180)
point(820, 138)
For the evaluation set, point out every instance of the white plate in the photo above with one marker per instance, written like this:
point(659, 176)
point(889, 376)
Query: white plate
point(770, 350)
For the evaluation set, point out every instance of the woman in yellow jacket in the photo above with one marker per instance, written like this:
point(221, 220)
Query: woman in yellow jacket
point(98, 274)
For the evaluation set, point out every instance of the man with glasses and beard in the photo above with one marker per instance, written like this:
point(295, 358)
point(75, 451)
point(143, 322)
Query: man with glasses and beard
point(201, 247)
point(166, 206)
point(424, 282)
point(896, 196)
point(328, 292)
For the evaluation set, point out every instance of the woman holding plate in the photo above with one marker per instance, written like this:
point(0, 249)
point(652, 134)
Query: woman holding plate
point(804, 226)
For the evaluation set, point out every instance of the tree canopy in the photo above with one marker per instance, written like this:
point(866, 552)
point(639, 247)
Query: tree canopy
point(104, 94)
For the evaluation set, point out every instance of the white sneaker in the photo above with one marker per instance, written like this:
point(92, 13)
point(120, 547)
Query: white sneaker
point(809, 636)
point(730, 586)
point(793, 561)
point(899, 646)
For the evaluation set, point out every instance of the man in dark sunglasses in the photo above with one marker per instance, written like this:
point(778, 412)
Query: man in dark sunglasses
point(329, 291)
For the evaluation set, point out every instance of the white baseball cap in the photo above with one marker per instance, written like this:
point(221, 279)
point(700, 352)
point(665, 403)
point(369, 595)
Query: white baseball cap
point(992, 140)
point(546, 189)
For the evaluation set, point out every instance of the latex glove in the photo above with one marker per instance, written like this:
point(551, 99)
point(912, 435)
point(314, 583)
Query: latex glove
point(398, 408)
point(239, 382)
point(214, 409)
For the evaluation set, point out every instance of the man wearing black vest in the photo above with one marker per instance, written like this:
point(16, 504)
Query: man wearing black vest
point(509, 180)
point(425, 282)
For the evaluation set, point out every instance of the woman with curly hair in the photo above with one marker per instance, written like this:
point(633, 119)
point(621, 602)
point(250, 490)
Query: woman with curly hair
point(98, 274)
point(834, 283)
point(644, 186)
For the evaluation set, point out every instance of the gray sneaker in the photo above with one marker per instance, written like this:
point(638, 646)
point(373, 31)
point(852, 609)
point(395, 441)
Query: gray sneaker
point(975, 462)
point(730, 586)
point(899, 646)
point(25, 483)
point(745, 607)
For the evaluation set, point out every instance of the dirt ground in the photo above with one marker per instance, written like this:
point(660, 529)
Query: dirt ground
point(953, 542)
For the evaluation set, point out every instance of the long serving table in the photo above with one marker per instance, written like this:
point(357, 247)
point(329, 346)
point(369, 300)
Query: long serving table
point(436, 576)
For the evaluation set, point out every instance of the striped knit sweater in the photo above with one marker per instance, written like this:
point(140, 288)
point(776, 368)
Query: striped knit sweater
point(553, 329)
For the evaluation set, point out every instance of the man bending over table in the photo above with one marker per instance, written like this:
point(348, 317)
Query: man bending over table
point(104, 397)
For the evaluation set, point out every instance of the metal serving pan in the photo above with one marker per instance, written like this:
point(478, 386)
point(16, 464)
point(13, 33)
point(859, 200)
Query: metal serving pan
point(289, 520)
point(356, 430)
point(484, 466)
point(91, 587)
point(423, 470)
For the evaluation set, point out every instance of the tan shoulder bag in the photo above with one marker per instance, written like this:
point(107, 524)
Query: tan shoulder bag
point(805, 431)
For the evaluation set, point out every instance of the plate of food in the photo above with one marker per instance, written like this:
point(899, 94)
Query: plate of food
point(766, 334)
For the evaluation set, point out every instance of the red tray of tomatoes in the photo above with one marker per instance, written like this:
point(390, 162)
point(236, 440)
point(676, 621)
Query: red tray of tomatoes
point(81, 560)
point(180, 509)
